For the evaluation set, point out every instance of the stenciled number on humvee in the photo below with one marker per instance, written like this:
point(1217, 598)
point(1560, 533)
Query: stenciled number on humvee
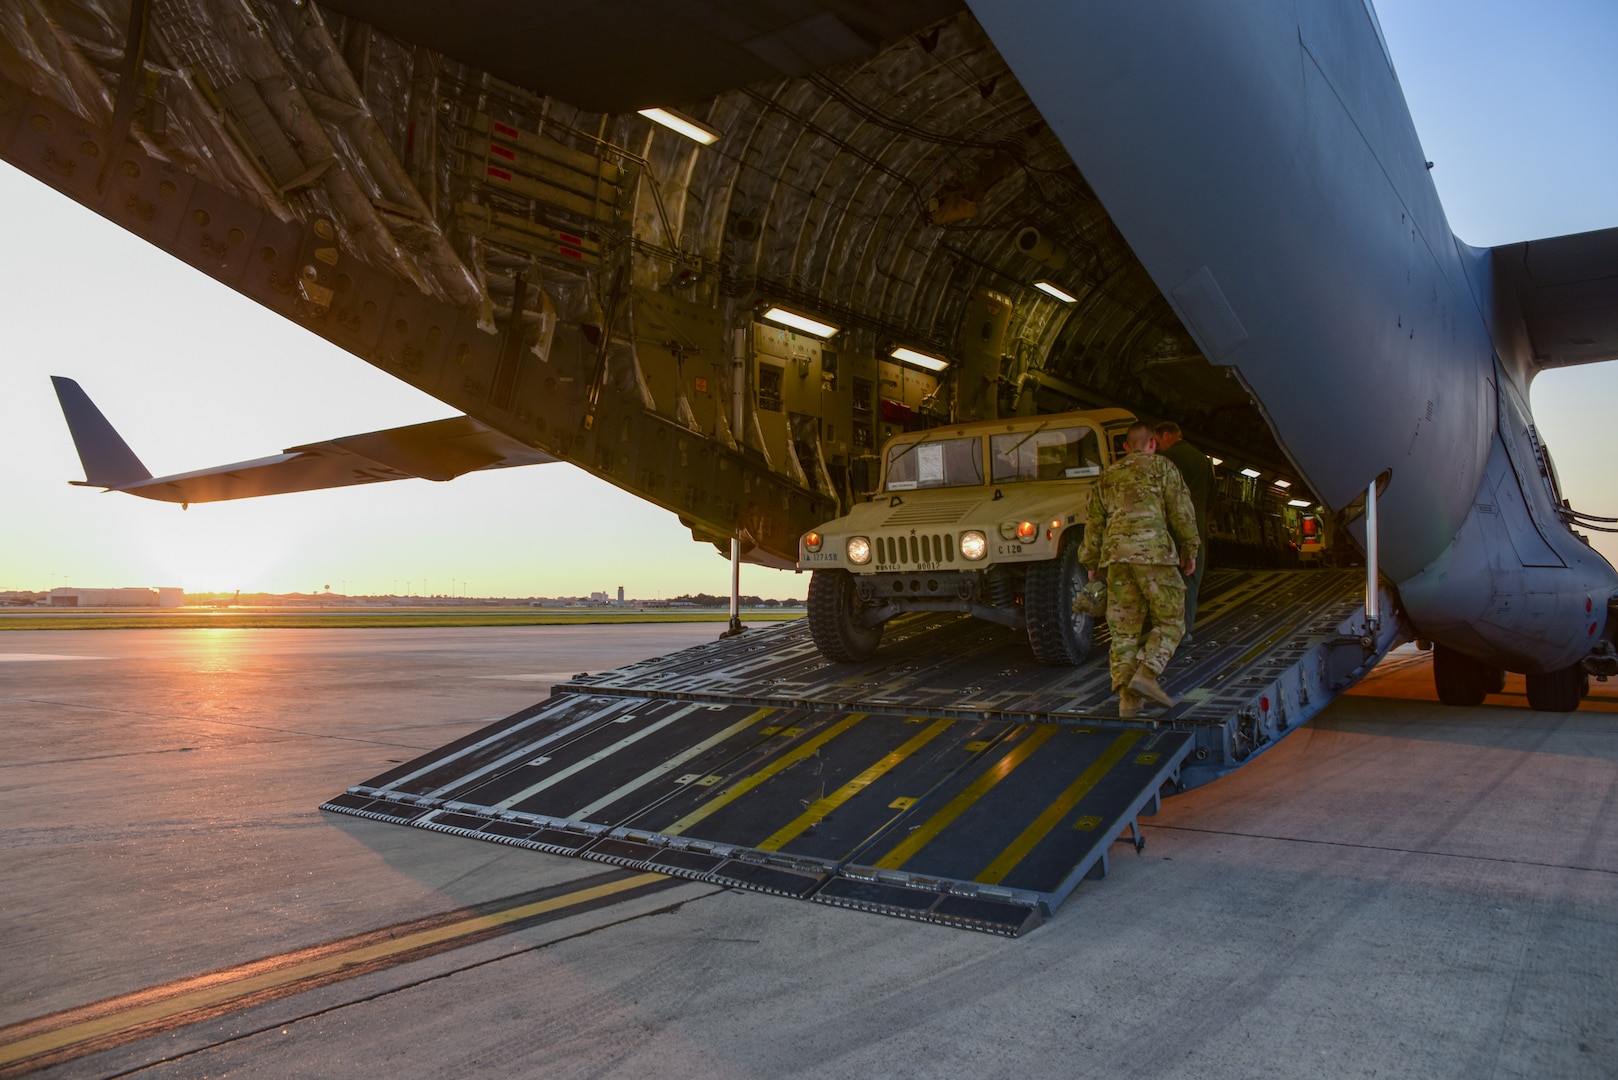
point(983, 518)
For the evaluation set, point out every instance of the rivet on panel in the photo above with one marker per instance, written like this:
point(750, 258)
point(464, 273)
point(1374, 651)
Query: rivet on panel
point(235, 237)
point(201, 218)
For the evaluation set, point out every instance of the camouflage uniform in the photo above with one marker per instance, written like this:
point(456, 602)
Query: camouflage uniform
point(1139, 510)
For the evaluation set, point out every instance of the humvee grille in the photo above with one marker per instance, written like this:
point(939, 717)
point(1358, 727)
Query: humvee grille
point(910, 550)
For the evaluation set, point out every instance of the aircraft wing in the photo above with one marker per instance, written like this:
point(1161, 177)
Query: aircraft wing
point(436, 450)
point(1568, 288)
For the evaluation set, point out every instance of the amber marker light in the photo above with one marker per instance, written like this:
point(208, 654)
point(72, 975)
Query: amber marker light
point(1061, 294)
point(684, 125)
point(919, 359)
point(783, 317)
point(859, 550)
point(1026, 531)
point(974, 545)
point(811, 541)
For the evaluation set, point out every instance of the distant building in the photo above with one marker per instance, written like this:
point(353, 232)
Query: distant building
point(620, 594)
point(599, 597)
point(117, 598)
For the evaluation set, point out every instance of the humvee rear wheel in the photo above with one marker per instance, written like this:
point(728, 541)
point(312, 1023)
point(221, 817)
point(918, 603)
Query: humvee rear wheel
point(1056, 634)
point(834, 608)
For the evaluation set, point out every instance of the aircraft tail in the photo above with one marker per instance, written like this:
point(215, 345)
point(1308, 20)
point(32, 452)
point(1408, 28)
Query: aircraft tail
point(108, 460)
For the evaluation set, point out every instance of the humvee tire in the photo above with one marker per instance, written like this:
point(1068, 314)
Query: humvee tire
point(1461, 680)
point(1057, 635)
point(1558, 691)
point(833, 607)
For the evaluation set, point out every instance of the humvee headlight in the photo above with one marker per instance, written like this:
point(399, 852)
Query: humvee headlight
point(811, 541)
point(974, 545)
point(859, 550)
point(1026, 531)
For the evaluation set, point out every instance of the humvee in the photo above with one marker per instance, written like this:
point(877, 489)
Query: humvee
point(984, 518)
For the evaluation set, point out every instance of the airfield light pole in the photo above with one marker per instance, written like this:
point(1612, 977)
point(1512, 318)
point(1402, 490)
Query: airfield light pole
point(1372, 614)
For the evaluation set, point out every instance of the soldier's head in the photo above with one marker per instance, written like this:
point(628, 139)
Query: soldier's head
point(1168, 433)
point(1141, 439)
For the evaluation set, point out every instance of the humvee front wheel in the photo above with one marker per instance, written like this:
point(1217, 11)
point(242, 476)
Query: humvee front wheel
point(1057, 635)
point(834, 610)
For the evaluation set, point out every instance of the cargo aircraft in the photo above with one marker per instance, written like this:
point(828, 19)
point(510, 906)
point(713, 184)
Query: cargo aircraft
point(718, 254)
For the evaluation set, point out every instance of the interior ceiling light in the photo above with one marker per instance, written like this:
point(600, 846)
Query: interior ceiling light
point(686, 126)
point(1283, 484)
point(1217, 460)
point(920, 359)
point(1060, 294)
point(1254, 473)
point(800, 322)
point(1297, 502)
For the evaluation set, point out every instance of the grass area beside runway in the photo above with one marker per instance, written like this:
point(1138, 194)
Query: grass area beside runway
point(368, 618)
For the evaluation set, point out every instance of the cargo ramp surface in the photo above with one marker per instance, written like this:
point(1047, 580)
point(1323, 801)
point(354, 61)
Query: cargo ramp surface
point(949, 779)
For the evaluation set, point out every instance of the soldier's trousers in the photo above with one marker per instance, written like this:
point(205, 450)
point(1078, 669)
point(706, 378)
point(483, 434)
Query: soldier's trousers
point(1193, 586)
point(1134, 593)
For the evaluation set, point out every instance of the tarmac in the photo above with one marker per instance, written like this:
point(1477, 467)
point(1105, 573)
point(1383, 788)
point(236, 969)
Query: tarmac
point(1398, 889)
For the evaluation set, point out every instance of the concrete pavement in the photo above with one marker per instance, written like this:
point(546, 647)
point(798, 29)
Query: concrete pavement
point(1398, 889)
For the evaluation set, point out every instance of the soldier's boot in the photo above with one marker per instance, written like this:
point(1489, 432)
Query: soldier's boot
point(1146, 685)
point(1129, 704)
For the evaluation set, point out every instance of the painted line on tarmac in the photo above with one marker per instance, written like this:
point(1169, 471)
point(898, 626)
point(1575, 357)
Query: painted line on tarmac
point(100, 1026)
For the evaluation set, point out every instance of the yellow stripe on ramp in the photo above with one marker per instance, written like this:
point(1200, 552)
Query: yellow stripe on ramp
point(963, 802)
point(742, 787)
point(1041, 826)
point(821, 807)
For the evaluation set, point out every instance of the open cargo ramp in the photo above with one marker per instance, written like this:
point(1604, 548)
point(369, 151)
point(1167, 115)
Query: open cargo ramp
point(949, 779)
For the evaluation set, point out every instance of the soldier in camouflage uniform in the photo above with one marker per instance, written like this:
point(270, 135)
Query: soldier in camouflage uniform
point(1143, 529)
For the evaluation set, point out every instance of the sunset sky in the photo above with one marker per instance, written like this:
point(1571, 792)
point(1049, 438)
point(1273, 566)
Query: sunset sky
point(1513, 101)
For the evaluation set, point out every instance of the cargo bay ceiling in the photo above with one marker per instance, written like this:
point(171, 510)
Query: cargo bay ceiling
point(464, 196)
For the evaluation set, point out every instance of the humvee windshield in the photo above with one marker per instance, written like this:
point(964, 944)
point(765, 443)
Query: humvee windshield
point(1044, 454)
point(935, 463)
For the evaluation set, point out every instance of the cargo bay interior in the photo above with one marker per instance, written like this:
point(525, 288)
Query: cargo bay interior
point(503, 229)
